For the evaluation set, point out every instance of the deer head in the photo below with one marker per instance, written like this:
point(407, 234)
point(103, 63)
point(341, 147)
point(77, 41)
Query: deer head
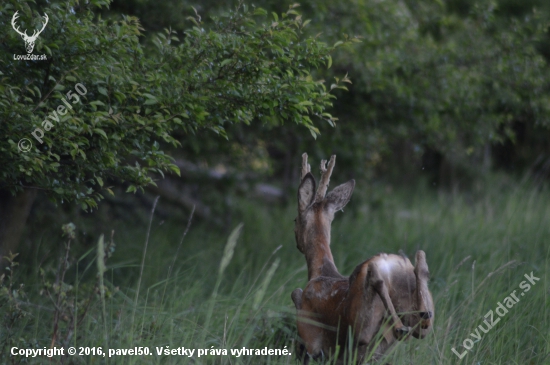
point(316, 211)
point(29, 41)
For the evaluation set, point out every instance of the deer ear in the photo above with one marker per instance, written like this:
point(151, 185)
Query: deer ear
point(306, 192)
point(339, 196)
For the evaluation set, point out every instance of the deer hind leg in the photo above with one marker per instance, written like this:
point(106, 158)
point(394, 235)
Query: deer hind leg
point(424, 301)
point(380, 285)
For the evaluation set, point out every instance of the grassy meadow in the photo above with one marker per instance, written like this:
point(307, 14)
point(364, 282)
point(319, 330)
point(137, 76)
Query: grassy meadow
point(198, 296)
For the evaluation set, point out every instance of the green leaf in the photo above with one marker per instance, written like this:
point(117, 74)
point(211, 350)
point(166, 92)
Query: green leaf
point(150, 102)
point(151, 99)
point(259, 11)
point(101, 132)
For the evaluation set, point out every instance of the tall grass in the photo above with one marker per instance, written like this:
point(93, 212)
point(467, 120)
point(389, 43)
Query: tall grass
point(478, 250)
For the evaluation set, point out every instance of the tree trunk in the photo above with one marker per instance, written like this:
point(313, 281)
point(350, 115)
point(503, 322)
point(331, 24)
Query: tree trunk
point(14, 211)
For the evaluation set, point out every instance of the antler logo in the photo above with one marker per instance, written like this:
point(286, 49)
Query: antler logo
point(29, 41)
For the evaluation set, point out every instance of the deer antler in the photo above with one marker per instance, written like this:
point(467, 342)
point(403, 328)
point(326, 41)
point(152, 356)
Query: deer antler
point(13, 19)
point(35, 34)
point(305, 166)
point(325, 177)
point(25, 35)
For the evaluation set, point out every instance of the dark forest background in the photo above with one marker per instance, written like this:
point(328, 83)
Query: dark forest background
point(441, 93)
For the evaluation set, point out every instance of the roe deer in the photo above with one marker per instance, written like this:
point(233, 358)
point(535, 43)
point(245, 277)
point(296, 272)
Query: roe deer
point(385, 294)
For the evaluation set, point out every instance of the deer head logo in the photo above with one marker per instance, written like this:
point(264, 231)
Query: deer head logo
point(29, 41)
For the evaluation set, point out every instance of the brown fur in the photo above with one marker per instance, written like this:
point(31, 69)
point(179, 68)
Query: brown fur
point(384, 295)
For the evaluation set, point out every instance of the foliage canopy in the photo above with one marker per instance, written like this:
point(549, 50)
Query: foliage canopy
point(241, 68)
